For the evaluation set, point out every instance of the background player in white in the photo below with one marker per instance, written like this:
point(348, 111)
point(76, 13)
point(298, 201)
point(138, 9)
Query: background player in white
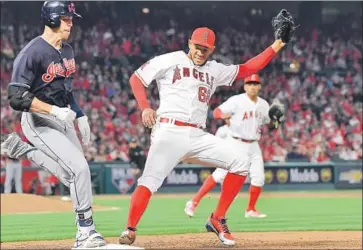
point(185, 83)
point(247, 113)
point(14, 172)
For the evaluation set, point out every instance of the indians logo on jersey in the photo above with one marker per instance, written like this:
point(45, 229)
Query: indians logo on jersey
point(57, 69)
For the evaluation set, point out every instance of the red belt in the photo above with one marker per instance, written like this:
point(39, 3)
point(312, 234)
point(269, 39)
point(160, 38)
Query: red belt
point(177, 123)
point(247, 141)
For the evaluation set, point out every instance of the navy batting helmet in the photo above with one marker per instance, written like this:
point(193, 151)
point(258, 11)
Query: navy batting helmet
point(53, 10)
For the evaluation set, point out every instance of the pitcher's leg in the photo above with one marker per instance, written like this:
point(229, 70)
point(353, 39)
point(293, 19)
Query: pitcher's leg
point(167, 148)
point(211, 150)
point(159, 163)
point(214, 151)
point(217, 176)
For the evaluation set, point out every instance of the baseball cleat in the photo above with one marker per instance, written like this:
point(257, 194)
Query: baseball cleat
point(220, 228)
point(190, 208)
point(128, 236)
point(13, 146)
point(93, 239)
point(254, 214)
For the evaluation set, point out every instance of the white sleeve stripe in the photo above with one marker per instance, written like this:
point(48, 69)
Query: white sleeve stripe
point(142, 80)
point(18, 84)
point(235, 75)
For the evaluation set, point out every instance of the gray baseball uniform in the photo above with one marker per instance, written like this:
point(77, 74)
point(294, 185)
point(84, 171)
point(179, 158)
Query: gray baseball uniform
point(47, 73)
point(13, 172)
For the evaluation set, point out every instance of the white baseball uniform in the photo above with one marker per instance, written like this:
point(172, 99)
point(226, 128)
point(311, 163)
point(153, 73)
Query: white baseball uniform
point(247, 120)
point(224, 132)
point(185, 90)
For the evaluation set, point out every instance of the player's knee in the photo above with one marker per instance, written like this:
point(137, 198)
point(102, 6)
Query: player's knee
point(150, 182)
point(79, 167)
point(218, 176)
point(258, 182)
point(84, 169)
point(239, 166)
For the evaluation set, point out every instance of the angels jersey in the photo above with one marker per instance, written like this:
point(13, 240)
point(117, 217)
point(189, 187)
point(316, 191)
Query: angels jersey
point(247, 117)
point(185, 88)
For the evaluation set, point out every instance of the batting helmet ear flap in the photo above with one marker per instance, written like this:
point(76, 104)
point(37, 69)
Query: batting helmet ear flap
point(52, 21)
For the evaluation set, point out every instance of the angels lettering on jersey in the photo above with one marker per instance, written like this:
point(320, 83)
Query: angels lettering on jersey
point(192, 72)
point(204, 92)
point(252, 113)
point(247, 117)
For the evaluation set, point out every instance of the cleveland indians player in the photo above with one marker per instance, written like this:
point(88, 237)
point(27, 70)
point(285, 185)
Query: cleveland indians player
point(41, 87)
point(248, 113)
point(186, 83)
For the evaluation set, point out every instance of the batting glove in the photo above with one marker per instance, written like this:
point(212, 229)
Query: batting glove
point(63, 114)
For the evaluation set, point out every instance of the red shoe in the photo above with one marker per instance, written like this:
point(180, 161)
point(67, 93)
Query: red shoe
point(220, 228)
point(128, 236)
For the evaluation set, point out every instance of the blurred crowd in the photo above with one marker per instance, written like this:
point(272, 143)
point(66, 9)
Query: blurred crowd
point(318, 77)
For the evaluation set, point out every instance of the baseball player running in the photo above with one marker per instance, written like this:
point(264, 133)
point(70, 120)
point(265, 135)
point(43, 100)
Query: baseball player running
point(247, 113)
point(186, 83)
point(41, 87)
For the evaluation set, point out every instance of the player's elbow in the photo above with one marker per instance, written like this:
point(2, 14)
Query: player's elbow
point(20, 99)
point(217, 113)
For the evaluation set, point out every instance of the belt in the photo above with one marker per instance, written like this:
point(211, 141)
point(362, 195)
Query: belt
point(177, 123)
point(244, 140)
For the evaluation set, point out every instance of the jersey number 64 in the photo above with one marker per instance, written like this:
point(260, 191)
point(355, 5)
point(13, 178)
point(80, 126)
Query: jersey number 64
point(203, 94)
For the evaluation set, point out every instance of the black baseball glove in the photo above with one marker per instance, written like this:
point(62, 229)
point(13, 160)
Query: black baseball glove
point(276, 113)
point(284, 26)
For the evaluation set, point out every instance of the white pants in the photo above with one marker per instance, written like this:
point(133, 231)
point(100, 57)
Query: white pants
point(256, 167)
point(172, 144)
point(13, 171)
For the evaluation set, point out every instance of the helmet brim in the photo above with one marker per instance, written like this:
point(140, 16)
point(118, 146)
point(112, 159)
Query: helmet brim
point(73, 14)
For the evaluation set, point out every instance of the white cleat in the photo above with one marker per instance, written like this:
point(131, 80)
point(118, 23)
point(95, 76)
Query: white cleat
point(93, 239)
point(190, 208)
point(254, 214)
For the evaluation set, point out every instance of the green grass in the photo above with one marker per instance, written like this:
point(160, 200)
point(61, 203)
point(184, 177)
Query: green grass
point(166, 216)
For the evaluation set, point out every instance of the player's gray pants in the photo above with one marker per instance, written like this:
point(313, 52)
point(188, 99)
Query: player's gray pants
point(60, 152)
point(13, 171)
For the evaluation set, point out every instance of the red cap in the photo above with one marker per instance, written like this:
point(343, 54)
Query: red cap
point(252, 78)
point(203, 36)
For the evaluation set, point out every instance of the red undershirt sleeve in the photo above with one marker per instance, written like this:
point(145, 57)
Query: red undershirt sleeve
point(255, 64)
point(139, 91)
